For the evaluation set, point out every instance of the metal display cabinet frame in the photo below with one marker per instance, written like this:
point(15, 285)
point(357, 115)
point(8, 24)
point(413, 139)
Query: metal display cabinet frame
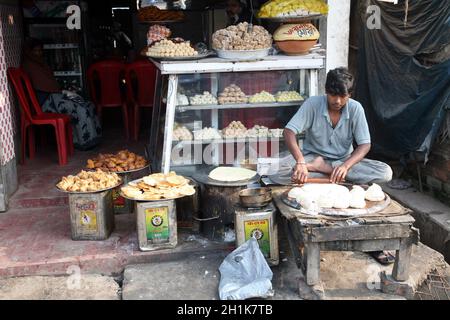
point(166, 88)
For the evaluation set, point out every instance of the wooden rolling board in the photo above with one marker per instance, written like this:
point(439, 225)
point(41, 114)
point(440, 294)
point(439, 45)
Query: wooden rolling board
point(394, 213)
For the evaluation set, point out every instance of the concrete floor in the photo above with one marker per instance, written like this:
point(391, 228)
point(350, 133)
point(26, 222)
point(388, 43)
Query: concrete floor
point(432, 217)
point(38, 260)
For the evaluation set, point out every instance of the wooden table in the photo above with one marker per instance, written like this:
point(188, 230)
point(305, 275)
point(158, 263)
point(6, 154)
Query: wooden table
point(307, 235)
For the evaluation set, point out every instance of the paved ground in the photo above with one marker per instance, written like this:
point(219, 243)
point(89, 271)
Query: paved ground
point(432, 217)
point(35, 237)
point(344, 275)
point(87, 287)
point(35, 240)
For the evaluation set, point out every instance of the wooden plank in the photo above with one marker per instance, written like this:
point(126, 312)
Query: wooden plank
point(400, 272)
point(312, 263)
point(293, 244)
point(291, 213)
point(361, 245)
point(360, 232)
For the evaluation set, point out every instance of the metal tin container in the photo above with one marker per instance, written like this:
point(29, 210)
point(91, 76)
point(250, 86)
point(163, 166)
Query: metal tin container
point(121, 204)
point(217, 206)
point(91, 215)
point(156, 225)
point(187, 209)
point(260, 224)
point(255, 197)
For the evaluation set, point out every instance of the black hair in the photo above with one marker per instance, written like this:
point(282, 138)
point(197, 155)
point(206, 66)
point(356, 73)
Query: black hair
point(31, 43)
point(339, 82)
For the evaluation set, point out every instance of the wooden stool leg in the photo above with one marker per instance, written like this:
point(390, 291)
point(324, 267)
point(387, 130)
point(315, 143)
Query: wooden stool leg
point(312, 263)
point(400, 271)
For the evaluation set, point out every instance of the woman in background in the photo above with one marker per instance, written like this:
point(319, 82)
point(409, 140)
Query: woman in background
point(86, 126)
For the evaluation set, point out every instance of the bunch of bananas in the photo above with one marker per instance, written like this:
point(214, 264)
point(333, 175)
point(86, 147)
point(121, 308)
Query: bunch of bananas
point(292, 8)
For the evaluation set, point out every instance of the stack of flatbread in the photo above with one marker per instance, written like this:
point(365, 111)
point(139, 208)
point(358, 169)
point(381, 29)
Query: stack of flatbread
point(159, 186)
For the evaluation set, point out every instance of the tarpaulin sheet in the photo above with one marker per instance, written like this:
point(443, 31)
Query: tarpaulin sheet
point(404, 100)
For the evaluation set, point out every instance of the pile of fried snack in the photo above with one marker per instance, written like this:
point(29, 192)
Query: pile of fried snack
point(239, 37)
point(123, 160)
point(159, 186)
point(152, 13)
point(89, 181)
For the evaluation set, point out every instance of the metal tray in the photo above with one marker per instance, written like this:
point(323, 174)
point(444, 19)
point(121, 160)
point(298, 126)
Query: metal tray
point(298, 19)
point(371, 208)
point(123, 172)
point(197, 57)
point(161, 22)
point(86, 192)
point(243, 55)
point(142, 200)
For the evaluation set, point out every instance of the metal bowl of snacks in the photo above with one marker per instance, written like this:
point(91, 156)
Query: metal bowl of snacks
point(255, 197)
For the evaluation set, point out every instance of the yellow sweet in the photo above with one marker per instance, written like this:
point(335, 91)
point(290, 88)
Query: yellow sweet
point(292, 8)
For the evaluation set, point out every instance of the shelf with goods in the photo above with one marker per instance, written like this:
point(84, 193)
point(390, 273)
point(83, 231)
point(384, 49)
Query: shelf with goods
point(180, 143)
point(273, 74)
point(61, 46)
point(63, 50)
point(183, 108)
point(67, 73)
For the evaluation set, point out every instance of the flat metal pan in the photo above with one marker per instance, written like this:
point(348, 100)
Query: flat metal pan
point(143, 200)
point(122, 172)
point(186, 58)
point(298, 19)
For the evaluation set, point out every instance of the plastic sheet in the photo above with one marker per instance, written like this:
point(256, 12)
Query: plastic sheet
point(245, 274)
point(402, 86)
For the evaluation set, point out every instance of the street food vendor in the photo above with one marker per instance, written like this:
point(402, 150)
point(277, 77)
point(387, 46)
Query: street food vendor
point(331, 124)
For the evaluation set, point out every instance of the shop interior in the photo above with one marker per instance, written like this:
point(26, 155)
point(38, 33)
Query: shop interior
point(112, 33)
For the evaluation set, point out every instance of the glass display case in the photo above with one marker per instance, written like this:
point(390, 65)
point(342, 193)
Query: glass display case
point(215, 112)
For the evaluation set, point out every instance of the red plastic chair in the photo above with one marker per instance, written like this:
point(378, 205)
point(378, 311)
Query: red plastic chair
point(32, 115)
point(108, 74)
point(140, 79)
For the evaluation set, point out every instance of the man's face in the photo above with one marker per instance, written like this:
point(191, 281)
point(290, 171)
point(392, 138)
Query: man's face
point(233, 7)
point(37, 52)
point(336, 102)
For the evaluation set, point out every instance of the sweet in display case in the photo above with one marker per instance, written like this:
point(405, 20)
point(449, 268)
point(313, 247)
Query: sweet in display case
point(214, 112)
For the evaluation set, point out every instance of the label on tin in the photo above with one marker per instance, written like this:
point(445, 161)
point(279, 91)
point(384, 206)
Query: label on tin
point(259, 229)
point(157, 224)
point(88, 220)
point(118, 200)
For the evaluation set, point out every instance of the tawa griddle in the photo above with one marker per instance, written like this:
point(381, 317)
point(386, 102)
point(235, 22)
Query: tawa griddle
point(202, 176)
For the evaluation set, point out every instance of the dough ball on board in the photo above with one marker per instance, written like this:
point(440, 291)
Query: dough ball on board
point(375, 193)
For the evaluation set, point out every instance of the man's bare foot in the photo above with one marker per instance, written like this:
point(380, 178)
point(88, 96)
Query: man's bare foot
point(319, 165)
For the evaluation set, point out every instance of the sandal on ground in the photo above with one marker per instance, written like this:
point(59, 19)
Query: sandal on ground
point(383, 257)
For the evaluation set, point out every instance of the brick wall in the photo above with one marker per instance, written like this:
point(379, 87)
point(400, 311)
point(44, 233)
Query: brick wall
point(437, 170)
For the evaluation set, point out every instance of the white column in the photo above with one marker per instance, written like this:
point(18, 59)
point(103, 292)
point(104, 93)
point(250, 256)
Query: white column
point(338, 33)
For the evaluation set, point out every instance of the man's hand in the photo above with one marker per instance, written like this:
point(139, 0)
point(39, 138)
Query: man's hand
point(300, 174)
point(339, 173)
